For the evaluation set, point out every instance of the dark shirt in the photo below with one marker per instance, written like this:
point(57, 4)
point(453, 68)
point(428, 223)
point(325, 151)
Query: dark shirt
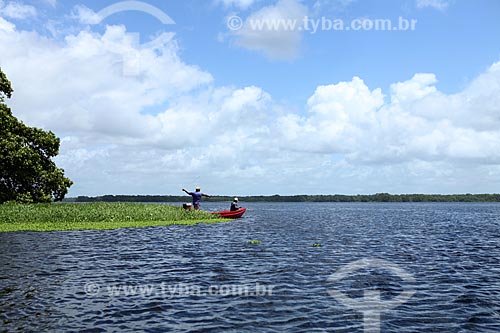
point(234, 206)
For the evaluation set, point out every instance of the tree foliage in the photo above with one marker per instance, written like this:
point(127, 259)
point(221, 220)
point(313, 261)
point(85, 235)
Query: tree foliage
point(27, 172)
point(5, 88)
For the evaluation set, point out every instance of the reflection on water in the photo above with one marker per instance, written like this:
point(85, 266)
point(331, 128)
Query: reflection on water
point(81, 280)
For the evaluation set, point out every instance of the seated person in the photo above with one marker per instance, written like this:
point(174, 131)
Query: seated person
point(234, 205)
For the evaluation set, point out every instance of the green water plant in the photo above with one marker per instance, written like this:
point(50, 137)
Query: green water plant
point(254, 242)
point(96, 216)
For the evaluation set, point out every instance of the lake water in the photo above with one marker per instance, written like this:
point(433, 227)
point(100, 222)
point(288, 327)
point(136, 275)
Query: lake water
point(209, 278)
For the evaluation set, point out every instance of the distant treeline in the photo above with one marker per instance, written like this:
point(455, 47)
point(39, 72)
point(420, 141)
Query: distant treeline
point(379, 197)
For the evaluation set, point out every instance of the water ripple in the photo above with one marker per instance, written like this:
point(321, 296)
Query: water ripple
point(73, 281)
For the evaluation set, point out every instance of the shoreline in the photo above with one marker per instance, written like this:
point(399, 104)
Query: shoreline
point(377, 197)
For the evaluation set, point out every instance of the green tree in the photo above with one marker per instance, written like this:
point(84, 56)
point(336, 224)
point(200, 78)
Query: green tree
point(27, 172)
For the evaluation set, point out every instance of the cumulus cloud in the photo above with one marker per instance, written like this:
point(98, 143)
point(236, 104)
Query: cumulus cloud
point(6, 25)
point(273, 31)
point(168, 126)
point(167, 111)
point(417, 122)
point(85, 15)
point(336, 116)
point(93, 95)
point(436, 4)
point(17, 10)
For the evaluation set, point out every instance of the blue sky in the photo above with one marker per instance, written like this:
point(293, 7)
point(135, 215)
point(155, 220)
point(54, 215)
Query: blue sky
point(443, 43)
point(266, 111)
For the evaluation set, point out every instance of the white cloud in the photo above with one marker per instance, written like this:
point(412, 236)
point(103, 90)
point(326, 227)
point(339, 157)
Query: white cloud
point(168, 126)
point(436, 4)
point(338, 115)
point(17, 10)
point(418, 87)
point(273, 30)
point(418, 123)
point(6, 25)
point(85, 15)
point(102, 115)
point(92, 88)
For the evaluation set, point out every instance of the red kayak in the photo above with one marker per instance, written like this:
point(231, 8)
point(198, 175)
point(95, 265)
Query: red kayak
point(231, 214)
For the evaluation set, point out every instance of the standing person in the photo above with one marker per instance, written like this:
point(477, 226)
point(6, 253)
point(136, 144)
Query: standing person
point(197, 197)
point(234, 205)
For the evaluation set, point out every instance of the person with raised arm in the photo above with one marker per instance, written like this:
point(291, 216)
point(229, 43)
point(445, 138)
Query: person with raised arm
point(196, 195)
